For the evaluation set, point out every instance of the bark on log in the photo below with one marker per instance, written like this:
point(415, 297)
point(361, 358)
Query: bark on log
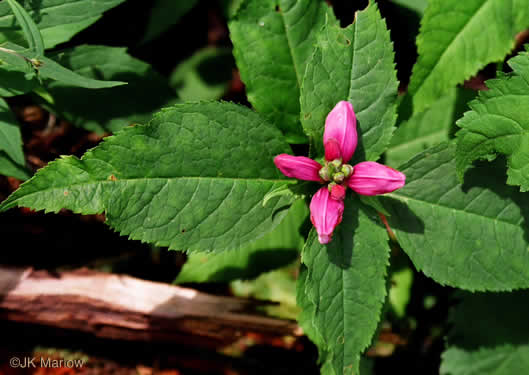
point(123, 307)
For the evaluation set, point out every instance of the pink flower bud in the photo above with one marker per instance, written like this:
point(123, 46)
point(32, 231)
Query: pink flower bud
point(340, 125)
point(332, 150)
point(370, 178)
point(338, 192)
point(325, 214)
point(299, 167)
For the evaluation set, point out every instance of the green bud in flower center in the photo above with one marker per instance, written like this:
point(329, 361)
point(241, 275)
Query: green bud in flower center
point(347, 170)
point(338, 177)
point(325, 173)
point(335, 171)
point(336, 163)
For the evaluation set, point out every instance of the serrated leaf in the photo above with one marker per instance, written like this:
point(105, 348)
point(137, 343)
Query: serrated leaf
point(472, 236)
point(353, 64)
point(57, 20)
point(346, 284)
point(30, 29)
point(458, 38)
point(273, 40)
point(498, 123)
point(18, 56)
point(426, 129)
point(275, 249)
point(146, 90)
point(204, 76)
point(193, 179)
point(489, 335)
point(10, 137)
point(164, 14)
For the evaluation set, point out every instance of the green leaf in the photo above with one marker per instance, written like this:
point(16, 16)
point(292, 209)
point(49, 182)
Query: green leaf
point(164, 14)
point(193, 179)
point(418, 6)
point(472, 236)
point(231, 7)
point(273, 40)
point(489, 335)
point(146, 90)
point(277, 286)
point(345, 283)
point(353, 64)
point(275, 249)
point(49, 69)
point(204, 76)
point(400, 291)
point(429, 128)
point(9, 168)
point(10, 137)
point(497, 124)
point(55, 35)
point(17, 75)
point(57, 20)
point(458, 38)
point(30, 29)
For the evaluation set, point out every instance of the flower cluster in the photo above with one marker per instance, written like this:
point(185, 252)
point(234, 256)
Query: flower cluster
point(365, 178)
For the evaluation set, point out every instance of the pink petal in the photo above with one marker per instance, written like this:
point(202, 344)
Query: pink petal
point(338, 192)
point(341, 125)
point(299, 167)
point(370, 178)
point(332, 150)
point(325, 214)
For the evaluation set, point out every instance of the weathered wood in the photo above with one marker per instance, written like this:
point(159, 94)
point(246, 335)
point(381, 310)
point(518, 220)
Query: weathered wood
point(123, 307)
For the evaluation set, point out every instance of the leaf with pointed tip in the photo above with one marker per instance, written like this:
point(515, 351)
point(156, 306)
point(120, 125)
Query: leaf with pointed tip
point(497, 124)
point(193, 179)
point(472, 236)
point(458, 38)
point(489, 335)
point(354, 64)
point(273, 40)
point(49, 69)
point(345, 283)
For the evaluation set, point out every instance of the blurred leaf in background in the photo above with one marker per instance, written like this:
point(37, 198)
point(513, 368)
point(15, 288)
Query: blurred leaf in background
point(277, 248)
point(164, 15)
point(204, 76)
point(57, 20)
point(111, 109)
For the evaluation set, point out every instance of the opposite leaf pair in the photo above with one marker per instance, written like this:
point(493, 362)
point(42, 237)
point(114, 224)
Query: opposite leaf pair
point(367, 178)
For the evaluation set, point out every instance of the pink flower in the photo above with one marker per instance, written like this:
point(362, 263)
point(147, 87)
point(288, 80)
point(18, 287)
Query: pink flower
point(365, 178)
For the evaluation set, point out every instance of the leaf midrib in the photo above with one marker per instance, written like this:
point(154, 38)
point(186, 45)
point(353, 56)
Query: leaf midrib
point(95, 182)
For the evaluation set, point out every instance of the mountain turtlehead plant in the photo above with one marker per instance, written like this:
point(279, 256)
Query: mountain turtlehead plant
point(210, 177)
point(366, 178)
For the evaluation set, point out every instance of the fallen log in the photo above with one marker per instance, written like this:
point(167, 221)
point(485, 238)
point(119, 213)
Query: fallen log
point(125, 308)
